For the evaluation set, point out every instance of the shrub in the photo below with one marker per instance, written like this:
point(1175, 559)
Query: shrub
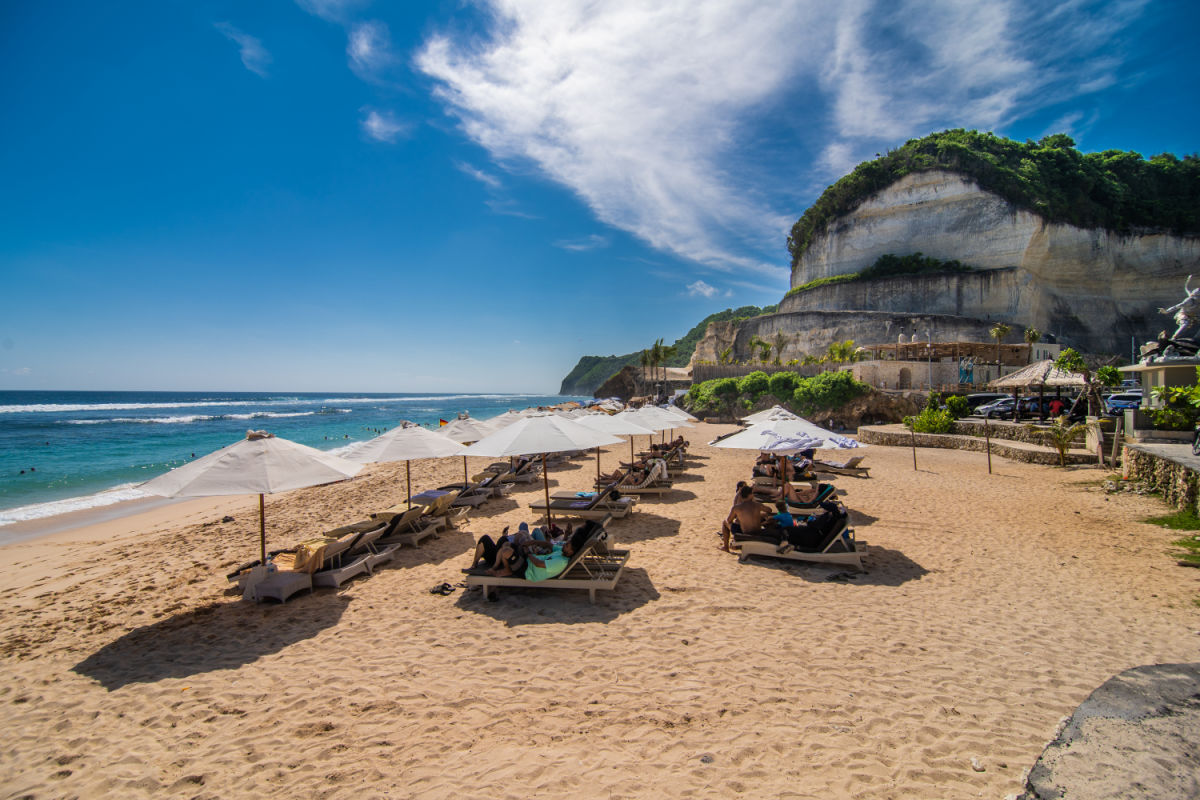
point(783, 385)
point(931, 420)
point(754, 384)
point(958, 406)
point(827, 390)
point(1173, 419)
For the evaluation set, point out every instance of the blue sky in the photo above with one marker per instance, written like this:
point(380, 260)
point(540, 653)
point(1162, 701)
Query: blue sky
point(345, 195)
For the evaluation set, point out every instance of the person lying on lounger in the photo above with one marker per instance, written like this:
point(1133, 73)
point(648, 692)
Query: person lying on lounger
point(533, 560)
point(747, 516)
point(804, 533)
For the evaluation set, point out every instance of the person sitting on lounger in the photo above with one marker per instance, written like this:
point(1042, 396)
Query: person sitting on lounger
point(748, 515)
point(634, 476)
point(803, 496)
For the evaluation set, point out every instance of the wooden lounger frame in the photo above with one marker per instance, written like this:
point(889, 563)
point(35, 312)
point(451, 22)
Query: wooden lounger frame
point(852, 557)
point(589, 569)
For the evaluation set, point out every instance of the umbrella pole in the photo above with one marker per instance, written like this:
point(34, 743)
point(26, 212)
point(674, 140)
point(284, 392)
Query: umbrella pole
point(408, 474)
point(466, 483)
point(546, 483)
point(631, 451)
point(597, 463)
point(262, 527)
point(780, 481)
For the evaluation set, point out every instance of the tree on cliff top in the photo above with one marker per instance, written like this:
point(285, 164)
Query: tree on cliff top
point(1114, 190)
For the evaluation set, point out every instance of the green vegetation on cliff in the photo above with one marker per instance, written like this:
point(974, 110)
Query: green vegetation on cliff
point(1114, 189)
point(886, 266)
point(591, 371)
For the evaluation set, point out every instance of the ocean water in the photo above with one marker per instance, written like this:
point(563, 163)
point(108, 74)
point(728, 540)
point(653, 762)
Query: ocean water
point(67, 451)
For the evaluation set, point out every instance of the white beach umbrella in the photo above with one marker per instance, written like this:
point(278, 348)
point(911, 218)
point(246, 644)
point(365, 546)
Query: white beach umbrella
point(261, 463)
point(463, 430)
point(615, 426)
point(405, 444)
point(678, 412)
point(664, 420)
point(829, 440)
point(769, 438)
point(774, 412)
point(541, 434)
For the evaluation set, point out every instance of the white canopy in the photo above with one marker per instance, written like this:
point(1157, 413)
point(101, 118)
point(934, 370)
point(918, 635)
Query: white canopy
point(405, 444)
point(544, 433)
point(774, 412)
point(261, 463)
point(798, 429)
point(466, 429)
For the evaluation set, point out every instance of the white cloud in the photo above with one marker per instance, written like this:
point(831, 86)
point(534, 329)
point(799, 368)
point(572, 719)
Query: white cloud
point(254, 56)
point(651, 112)
point(369, 47)
point(633, 107)
point(486, 178)
point(383, 127)
point(700, 288)
point(332, 10)
point(17, 371)
point(587, 243)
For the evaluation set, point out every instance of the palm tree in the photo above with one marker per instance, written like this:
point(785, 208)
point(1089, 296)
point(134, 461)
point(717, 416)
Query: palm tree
point(781, 341)
point(668, 352)
point(644, 360)
point(998, 332)
point(1032, 337)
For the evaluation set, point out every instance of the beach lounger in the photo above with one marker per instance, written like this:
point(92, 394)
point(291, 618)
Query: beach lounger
point(594, 567)
point(409, 526)
point(310, 558)
point(838, 547)
point(599, 505)
point(825, 491)
point(655, 482)
point(849, 467)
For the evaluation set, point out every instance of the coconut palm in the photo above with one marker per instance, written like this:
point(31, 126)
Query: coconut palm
point(780, 340)
point(998, 332)
point(1032, 337)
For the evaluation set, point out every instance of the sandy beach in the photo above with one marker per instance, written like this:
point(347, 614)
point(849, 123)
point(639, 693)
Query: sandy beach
point(992, 606)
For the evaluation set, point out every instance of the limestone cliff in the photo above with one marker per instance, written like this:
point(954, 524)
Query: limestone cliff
point(1092, 289)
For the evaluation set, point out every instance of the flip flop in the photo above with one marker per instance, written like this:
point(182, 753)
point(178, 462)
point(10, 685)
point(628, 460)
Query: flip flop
point(442, 589)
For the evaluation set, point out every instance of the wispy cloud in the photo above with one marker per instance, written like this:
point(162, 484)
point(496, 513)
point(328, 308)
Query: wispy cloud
point(332, 10)
point(647, 111)
point(486, 178)
point(702, 289)
point(369, 48)
point(383, 126)
point(254, 56)
point(592, 242)
point(22, 371)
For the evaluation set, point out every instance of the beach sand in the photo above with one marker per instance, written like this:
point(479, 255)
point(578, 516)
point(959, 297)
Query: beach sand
point(992, 606)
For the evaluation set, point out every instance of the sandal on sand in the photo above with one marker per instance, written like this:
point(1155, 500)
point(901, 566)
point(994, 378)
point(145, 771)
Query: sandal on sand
point(442, 589)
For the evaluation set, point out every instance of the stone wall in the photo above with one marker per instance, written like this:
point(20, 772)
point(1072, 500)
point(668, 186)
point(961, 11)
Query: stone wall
point(1179, 484)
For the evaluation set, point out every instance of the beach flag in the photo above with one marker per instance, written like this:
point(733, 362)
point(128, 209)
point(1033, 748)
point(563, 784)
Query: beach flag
point(442, 422)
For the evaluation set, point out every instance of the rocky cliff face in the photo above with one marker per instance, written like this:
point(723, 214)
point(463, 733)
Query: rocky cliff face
point(1091, 288)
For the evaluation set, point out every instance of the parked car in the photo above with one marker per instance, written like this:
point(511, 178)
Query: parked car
point(1114, 404)
point(983, 398)
point(1000, 409)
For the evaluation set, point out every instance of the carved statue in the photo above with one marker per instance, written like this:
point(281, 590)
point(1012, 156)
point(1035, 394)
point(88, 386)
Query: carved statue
point(1182, 343)
point(1185, 311)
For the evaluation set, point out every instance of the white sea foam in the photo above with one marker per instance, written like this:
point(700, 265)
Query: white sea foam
point(60, 407)
point(189, 418)
point(117, 494)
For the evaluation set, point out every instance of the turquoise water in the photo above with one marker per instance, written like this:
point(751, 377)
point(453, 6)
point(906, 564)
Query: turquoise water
point(65, 451)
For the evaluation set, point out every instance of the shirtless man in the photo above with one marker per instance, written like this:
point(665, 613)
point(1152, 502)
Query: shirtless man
point(747, 512)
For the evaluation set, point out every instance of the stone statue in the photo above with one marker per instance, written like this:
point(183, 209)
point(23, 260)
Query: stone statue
point(1182, 343)
point(1185, 311)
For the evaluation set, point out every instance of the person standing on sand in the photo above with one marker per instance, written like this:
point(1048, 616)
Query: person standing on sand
point(747, 513)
